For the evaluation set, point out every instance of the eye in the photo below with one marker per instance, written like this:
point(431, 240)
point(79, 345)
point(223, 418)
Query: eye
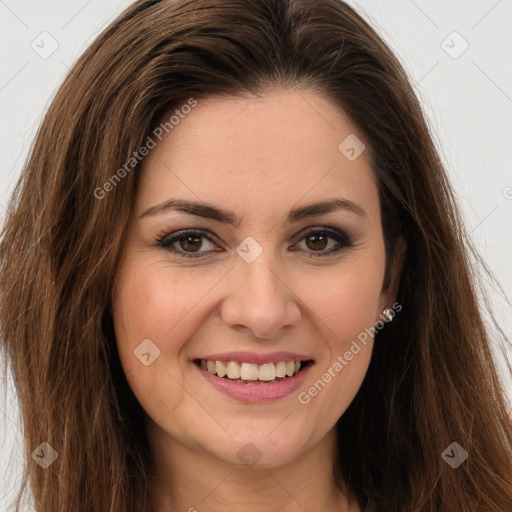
point(188, 243)
point(317, 240)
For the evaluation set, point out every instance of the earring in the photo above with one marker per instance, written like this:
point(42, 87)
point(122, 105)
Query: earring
point(388, 314)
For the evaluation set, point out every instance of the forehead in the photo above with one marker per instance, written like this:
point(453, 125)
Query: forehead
point(259, 152)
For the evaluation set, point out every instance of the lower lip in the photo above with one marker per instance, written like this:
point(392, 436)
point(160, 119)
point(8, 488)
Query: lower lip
point(256, 392)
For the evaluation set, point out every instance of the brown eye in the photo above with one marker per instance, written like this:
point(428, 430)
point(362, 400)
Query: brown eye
point(190, 243)
point(186, 243)
point(316, 242)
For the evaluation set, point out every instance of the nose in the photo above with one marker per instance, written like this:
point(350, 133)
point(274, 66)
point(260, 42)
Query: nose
point(259, 299)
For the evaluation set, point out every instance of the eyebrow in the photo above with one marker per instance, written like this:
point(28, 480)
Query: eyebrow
point(213, 212)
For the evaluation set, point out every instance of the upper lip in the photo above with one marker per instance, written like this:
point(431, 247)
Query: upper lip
point(255, 358)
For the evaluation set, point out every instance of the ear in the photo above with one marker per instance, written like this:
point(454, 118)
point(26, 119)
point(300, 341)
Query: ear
point(388, 296)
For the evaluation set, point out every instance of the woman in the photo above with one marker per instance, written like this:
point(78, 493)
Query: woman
point(234, 275)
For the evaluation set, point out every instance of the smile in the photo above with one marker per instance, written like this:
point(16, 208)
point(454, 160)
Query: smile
point(245, 372)
point(249, 382)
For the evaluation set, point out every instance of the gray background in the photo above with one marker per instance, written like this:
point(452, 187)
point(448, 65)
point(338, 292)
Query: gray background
point(466, 94)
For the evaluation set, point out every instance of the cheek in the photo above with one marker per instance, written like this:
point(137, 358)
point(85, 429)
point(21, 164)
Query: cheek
point(150, 301)
point(343, 311)
point(345, 301)
point(153, 302)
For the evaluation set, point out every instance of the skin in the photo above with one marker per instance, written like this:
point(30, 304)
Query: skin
point(259, 158)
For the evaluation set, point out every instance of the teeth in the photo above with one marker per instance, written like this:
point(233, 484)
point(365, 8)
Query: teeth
point(221, 368)
point(281, 369)
point(211, 366)
point(249, 371)
point(267, 371)
point(233, 370)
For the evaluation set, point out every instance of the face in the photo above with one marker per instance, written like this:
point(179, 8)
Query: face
point(276, 283)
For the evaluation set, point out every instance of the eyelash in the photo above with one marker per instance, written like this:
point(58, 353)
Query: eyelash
point(167, 241)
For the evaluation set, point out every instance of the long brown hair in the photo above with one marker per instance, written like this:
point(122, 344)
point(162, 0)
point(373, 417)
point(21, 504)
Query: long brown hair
point(431, 380)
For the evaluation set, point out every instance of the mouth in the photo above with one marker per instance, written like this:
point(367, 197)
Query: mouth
point(253, 374)
point(254, 383)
